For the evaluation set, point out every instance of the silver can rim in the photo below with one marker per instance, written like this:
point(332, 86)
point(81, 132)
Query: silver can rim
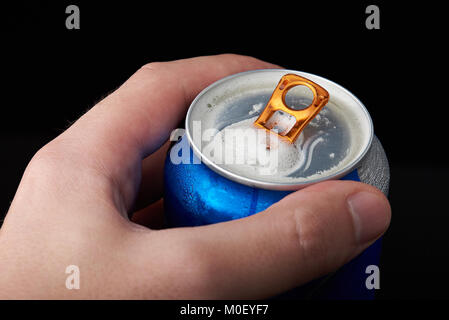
point(274, 185)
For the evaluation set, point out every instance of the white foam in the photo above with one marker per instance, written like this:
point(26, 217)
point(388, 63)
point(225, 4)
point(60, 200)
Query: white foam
point(256, 108)
point(281, 122)
point(254, 152)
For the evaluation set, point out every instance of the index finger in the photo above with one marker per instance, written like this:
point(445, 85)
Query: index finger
point(138, 117)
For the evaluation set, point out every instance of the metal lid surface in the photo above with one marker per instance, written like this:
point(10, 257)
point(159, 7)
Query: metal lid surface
point(328, 148)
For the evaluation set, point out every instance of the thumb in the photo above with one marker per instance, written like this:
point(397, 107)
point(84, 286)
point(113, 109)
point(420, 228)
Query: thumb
point(331, 223)
point(307, 234)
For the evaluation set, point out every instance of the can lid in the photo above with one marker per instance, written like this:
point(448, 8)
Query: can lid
point(331, 145)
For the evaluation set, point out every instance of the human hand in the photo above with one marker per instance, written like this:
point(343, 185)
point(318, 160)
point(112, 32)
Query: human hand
point(74, 201)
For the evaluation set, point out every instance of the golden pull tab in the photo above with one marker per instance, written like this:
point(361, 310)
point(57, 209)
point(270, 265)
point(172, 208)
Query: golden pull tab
point(304, 116)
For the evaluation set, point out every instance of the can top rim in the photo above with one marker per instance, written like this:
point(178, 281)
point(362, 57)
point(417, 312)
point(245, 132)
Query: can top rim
point(277, 185)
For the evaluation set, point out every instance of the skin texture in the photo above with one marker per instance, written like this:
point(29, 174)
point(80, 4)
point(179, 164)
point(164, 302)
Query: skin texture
point(76, 197)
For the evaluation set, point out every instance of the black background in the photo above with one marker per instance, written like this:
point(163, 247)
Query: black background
point(51, 75)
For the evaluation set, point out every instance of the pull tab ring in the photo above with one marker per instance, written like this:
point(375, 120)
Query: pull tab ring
point(304, 116)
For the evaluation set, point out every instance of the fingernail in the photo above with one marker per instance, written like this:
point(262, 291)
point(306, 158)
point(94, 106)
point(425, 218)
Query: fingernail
point(371, 215)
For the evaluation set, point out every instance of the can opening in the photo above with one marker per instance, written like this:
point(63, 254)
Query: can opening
point(280, 122)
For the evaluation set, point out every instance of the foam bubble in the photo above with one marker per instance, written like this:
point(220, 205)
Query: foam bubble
point(253, 152)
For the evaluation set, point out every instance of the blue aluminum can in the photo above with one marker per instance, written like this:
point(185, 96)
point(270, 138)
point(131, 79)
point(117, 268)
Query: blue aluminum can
point(199, 191)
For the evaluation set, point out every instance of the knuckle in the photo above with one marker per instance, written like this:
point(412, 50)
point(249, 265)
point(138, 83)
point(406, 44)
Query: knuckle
point(43, 174)
point(45, 159)
point(152, 67)
point(310, 237)
point(153, 74)
point(52, 162)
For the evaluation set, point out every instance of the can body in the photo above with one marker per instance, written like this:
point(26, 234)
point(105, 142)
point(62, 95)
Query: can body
point(196, 195)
